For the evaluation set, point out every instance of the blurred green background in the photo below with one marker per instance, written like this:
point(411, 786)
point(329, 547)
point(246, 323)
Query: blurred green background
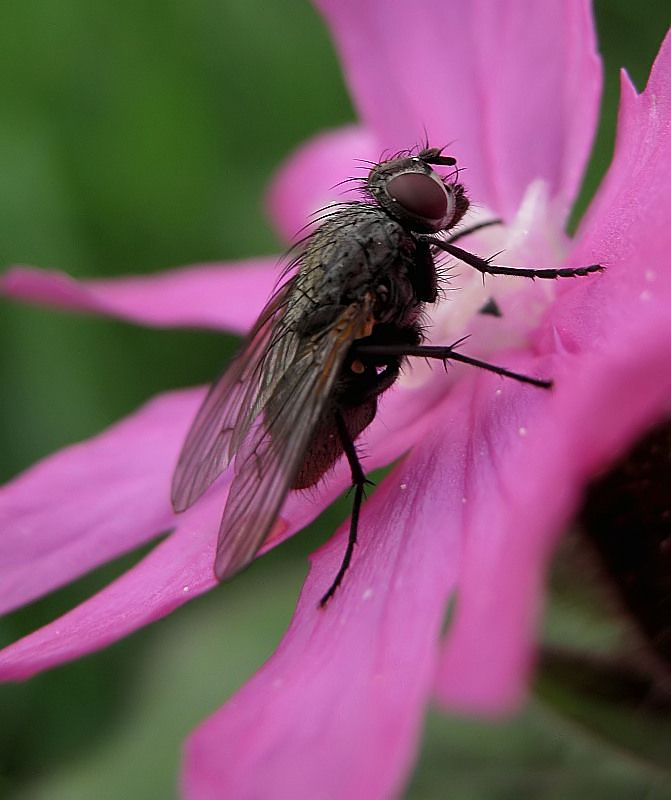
point(135, 136)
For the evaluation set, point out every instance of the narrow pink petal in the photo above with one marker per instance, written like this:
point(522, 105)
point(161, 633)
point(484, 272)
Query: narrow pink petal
point(529, 466)
point(120, 517)
point(309, 180)
point(506, 554)
point(337, 710)
point(639, 162)
point(512, 88)
point(627, 226)
point(122, 479)
point(611, 335)
point(96, 500)
point(216, 296)
point(177, 570)
point(91, 502)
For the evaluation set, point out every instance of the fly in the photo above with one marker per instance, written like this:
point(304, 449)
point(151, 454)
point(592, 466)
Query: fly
point(329, 342)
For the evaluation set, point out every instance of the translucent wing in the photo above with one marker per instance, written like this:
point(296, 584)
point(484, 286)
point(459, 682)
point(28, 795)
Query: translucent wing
point(263, 411)
point(271, 455)
point(231, 405)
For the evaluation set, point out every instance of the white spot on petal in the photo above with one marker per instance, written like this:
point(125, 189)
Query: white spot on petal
point(368, 593)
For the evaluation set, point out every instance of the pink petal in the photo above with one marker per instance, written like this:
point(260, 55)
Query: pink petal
point(612, 339)
point(177, 570)
point(530, 464)
point(309, 180)
point(627, 226)
point(216, 296)
point(91, 502)
point(639, 161)
point(337, 710)
point(70, 532)
point(512, 88)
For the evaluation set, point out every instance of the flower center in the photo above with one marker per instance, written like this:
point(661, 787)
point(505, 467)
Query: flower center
point(534, 238)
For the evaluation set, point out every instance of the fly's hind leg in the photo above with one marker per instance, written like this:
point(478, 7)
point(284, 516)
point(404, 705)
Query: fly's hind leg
point(359, 482)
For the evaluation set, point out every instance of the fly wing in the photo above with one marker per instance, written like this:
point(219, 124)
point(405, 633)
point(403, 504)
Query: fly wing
point(230, 406)
point(271, 455)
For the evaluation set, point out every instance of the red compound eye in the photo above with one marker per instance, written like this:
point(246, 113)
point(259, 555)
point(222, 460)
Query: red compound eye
point(419, 195)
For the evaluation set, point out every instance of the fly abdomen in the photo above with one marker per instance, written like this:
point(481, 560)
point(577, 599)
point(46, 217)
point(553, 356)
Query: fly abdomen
point(325, 445)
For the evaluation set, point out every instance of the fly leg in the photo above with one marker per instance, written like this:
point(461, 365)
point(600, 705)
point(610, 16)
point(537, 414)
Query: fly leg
point(478, 226)
point(447, 353)
point(487, 268)
point(359, 482)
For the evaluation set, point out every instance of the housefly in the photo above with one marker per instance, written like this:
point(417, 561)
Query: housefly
point(329, 342)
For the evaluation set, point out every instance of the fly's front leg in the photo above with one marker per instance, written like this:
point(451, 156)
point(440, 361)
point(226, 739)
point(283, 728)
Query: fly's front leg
point(487, 268)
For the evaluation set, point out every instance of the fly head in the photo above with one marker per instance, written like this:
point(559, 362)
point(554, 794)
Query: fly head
point(410, 191)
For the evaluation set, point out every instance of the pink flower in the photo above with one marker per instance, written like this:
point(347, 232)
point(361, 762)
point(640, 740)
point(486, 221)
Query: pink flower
point(494, 469)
